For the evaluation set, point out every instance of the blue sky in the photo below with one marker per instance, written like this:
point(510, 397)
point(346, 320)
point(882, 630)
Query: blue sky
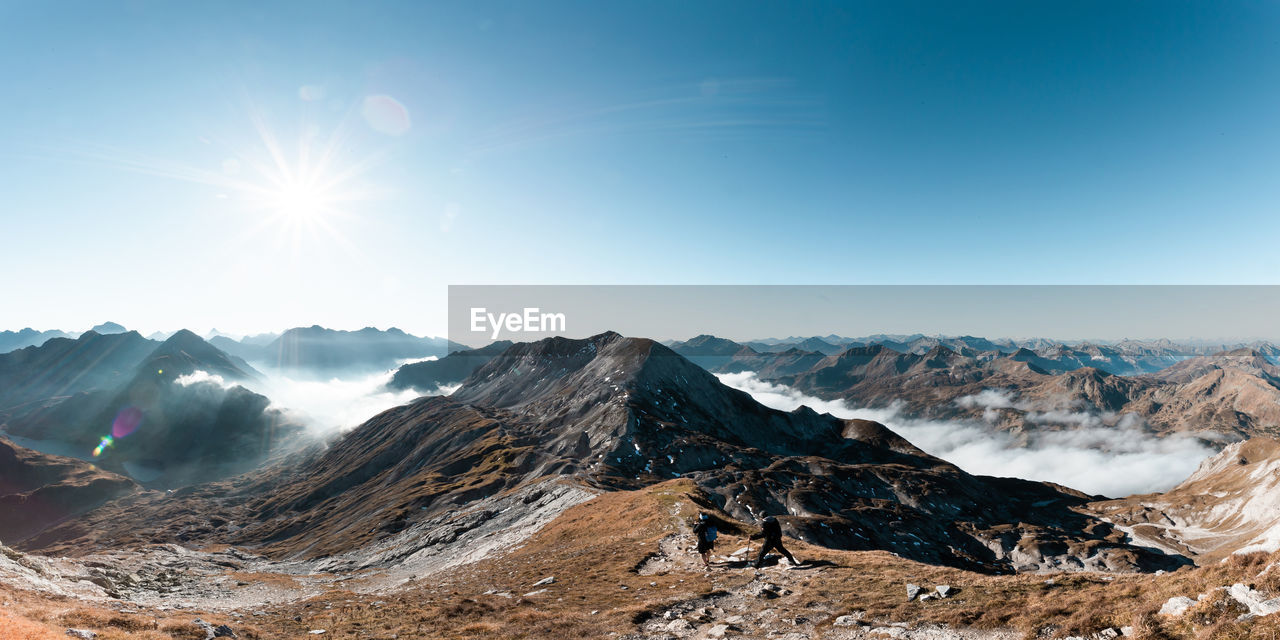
point(628, 143)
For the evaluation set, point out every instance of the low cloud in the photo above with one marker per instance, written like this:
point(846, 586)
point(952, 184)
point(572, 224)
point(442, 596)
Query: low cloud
point(1114, 460)
point(326, 405)
point(198, 377)
point(987, 399)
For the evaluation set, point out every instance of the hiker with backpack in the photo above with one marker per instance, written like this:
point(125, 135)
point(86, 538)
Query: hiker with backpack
point(771, 531)
point(705, 532)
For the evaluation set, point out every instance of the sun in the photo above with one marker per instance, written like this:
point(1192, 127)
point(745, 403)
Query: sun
point(308, 189)
point(301, 202)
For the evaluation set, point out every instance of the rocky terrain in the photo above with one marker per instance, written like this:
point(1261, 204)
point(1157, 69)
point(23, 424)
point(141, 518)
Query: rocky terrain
point(1231, 504)
point(618, 565)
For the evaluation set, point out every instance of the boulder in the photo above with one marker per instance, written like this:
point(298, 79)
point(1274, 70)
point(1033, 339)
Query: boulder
point(211, 632)
point(851, 620)
point(1253, 600)
point(912, 592)
point(767, 590)
point(1176, 606)
point(679, 625)
point(83, 634)
point(943, 590)
point(545, 581)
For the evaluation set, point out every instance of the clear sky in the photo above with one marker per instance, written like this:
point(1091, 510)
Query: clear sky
point(253, 166)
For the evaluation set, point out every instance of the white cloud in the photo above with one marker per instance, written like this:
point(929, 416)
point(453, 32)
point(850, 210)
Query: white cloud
point(1097, 459)
point(326, 405)
point(202, 376)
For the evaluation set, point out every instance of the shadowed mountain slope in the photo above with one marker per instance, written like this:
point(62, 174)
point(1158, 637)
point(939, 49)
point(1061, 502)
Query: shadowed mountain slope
point(37, 490)
point(167, 430)
point(64, 366)
point(430, 375)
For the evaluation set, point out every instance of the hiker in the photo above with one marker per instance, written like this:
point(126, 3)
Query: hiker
point(771, 531)
point(705, 532)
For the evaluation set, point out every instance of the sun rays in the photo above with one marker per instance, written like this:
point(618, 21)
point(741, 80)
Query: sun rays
point(300, 186)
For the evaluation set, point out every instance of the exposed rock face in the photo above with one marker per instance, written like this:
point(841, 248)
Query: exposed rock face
point(37, 490)
point(1176, 606)
point(1230, 504)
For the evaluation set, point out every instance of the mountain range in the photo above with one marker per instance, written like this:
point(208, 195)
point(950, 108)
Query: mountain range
point(1233, 393)
point(615, 413)
point(141, 407)
point(579, 461)
point(321, 349)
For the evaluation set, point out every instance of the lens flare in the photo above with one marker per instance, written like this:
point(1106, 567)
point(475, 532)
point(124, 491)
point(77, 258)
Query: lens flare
point(102, 446)
point(126, 422)
point(385, 114)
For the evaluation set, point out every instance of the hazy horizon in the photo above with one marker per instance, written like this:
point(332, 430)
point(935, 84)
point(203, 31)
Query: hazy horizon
point(206, 333)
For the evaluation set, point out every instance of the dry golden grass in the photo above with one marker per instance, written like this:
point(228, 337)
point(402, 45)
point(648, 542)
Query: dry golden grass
point(593, 550)
point(16, 628)
point(270, 579)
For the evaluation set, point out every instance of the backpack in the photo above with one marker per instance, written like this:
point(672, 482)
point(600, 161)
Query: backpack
point(711, 533)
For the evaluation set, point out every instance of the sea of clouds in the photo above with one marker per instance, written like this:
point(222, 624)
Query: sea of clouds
point(1098, 456)
point(327, 405)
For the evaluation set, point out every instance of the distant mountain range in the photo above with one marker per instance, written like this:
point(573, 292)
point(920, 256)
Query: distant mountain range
point(164, 429)
point(301, 348)
point(319, 348)
point(1127, 357)
point(1170, 387)
point(10, 340)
